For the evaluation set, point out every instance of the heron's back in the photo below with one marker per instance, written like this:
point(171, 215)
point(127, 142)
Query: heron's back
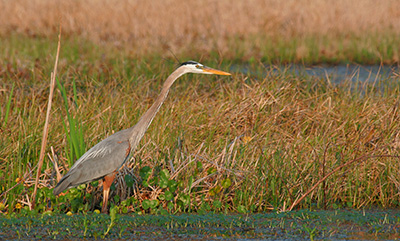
point(101, 160)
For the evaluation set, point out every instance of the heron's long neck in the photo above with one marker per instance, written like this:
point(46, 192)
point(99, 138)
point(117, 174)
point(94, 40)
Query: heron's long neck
point(140, 128)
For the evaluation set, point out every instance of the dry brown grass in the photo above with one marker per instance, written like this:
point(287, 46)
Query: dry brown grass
point(150, 26)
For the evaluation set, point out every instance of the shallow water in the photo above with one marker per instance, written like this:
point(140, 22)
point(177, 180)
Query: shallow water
point(345, 224)
point(334, 74)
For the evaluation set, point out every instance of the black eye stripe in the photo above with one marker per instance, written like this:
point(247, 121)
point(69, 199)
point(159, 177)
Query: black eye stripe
point(190, 62)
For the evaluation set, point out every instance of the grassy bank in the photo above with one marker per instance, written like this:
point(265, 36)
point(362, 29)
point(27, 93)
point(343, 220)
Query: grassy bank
point(251, 142)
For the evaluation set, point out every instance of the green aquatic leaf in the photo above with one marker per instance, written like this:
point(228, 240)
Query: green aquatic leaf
point(226, 183)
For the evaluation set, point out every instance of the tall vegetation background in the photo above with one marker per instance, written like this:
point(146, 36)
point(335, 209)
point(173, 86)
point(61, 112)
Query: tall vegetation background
point(360, 30)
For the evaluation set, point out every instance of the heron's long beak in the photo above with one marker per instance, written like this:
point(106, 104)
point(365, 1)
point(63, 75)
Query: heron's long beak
point(214, 71)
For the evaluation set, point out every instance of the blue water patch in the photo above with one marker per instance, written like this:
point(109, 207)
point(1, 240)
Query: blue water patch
point(334, 74)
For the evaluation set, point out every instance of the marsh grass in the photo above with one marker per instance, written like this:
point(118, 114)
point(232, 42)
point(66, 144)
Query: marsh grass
point(7, 110)
point(248, 143)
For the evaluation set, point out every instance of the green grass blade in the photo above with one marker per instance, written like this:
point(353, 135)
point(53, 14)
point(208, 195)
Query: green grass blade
point(75, 133)
point(8, 105)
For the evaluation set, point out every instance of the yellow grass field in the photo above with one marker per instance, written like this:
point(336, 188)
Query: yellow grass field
point(227, 27)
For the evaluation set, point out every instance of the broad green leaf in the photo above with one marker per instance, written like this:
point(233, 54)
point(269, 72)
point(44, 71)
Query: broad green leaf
point(226, 183)
point(163, 183)
point(154, 203)
point(217, 204)
point(165, 174)
point(146, 204)
point(185, 198)
point(168, 195)
point(129, 180)
point(242, 209)
point(145, 172)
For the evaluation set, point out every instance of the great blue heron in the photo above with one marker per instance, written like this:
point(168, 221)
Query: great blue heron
point(103, 160)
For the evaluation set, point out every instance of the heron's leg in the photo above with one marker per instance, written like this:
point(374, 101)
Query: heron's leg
point(107, 181)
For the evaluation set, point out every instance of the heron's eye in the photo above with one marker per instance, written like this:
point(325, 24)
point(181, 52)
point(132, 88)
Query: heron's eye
point(198, 66)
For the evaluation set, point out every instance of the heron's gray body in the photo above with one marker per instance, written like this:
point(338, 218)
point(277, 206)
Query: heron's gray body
point(95, 163)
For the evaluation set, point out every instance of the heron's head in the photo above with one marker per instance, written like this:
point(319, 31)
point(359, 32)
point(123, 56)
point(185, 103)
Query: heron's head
point(197, 68)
